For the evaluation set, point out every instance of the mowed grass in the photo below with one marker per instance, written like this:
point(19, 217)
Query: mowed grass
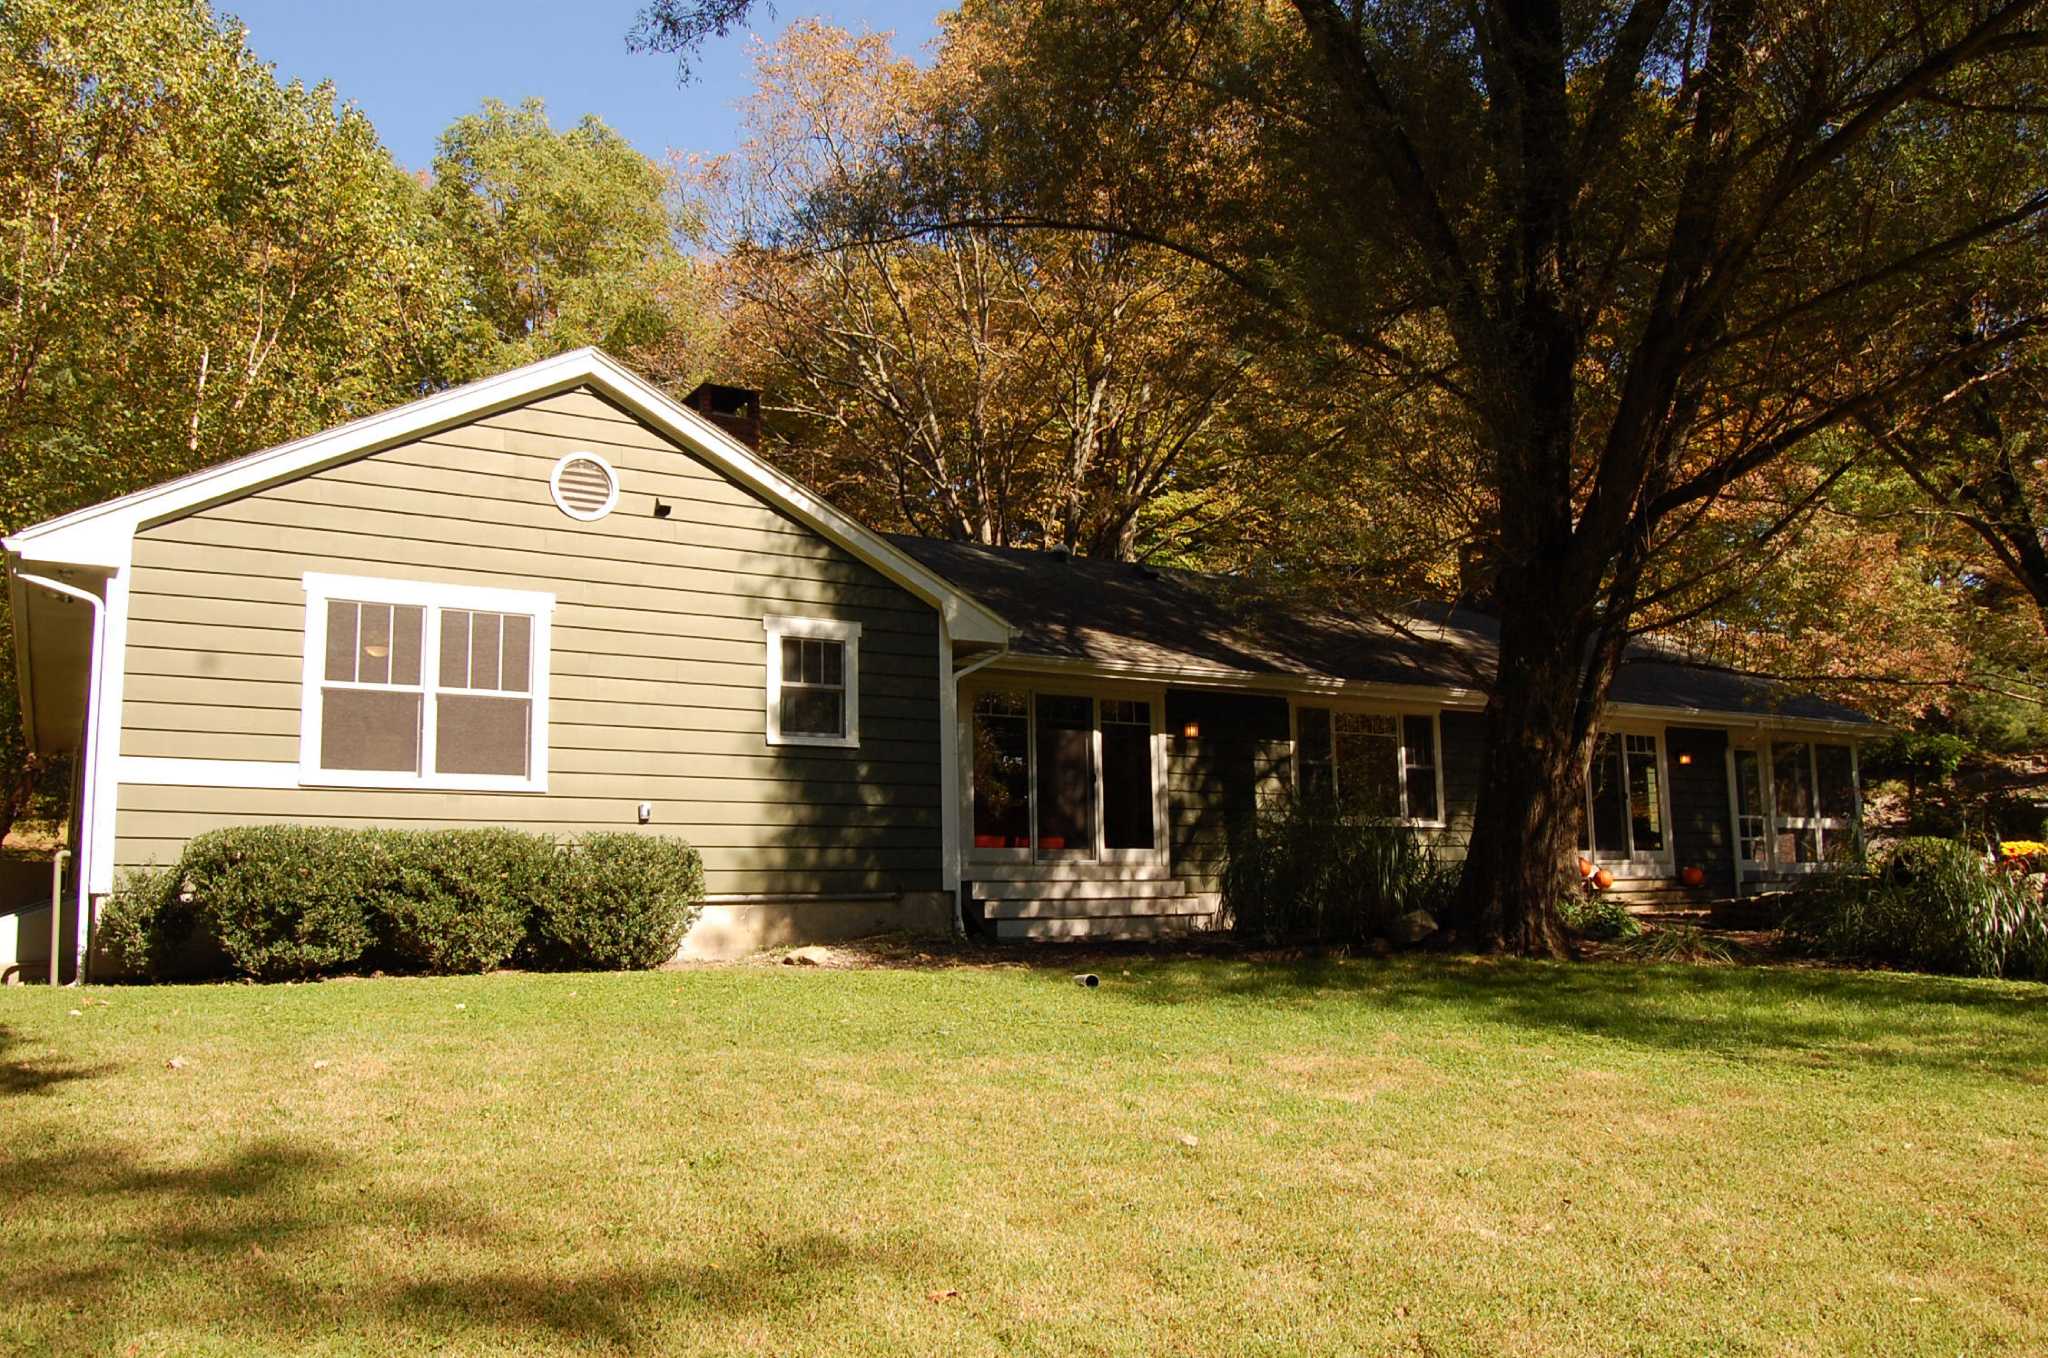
point(1207, 1157)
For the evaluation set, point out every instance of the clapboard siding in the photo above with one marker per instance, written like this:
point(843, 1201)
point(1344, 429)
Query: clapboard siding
point(657, 670)
point(1464, 755)
point(1216, 779)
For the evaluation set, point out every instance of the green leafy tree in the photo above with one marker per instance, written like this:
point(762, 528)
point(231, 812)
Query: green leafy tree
point(194, 261)
point(569, 238)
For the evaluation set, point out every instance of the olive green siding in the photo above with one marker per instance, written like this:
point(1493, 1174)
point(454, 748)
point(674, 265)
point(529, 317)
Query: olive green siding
point(657, 669)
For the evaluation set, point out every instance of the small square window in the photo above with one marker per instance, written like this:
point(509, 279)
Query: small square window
point(813, 681)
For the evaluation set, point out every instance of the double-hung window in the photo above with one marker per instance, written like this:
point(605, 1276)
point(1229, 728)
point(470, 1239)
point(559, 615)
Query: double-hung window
point(1378, 765)
point(410, 684)
point(813, 681)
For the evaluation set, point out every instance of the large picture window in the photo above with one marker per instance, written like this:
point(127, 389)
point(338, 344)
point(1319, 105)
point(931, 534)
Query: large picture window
point(813, 681)
point(1378, 765)
point(1796, 802)
point(412, 684)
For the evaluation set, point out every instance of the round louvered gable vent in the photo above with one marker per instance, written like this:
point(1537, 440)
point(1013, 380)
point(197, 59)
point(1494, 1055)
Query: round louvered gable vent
point(585, 486)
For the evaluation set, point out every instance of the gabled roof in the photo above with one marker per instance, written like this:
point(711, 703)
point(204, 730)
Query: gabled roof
point(101, 535)
point(1194, 627)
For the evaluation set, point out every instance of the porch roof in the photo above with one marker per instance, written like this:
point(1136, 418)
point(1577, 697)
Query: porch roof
point(1125, 616)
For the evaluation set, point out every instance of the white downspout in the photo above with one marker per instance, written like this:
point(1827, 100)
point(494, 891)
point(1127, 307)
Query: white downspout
point(967, 791)
point(88, 807)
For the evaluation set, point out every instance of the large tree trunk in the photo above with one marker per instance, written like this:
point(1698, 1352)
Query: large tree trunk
point(1532, 790)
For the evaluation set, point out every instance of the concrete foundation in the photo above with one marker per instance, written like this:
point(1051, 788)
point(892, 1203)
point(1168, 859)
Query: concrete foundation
point(735, 927)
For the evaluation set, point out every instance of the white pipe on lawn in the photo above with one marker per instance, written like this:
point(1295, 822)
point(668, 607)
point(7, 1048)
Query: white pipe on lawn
point(89, 801)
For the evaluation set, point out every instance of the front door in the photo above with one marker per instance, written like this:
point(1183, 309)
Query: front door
point(1625, 790)
point(1066, 776)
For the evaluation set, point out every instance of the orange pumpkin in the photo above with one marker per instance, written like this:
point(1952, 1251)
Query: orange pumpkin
point(1603, 879)
point(1585, 867)
point(1693, 875)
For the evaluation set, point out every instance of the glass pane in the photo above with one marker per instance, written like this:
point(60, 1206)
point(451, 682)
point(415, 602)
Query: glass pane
point(792, 660)
point(1798, 846)
point(1792, 780)
point(1837, 781)
point(1610, 818)
point(813, 711)
point(407, 625)
point(1127, 775)
point(486, 630)
point(455, 648)
point(1645, 804)
point(831, 662)
point(481, 735)
point(1066, 774)
point(518, 653)
point(1314, 748)
point(373, 659)
point(1749, 803)
point(1418, 740)
point(1002, 779)
point(1368, 764)
point(342, 620)
point(370, 729)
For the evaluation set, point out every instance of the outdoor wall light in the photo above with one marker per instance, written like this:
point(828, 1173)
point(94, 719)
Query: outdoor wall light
point(1193, 730)
point(1685, 758)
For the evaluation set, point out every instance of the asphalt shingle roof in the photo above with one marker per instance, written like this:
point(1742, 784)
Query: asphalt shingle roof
point(1122, 614)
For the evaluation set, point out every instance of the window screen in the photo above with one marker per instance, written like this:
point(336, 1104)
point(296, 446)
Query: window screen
point(371, 698)
point(813, 693)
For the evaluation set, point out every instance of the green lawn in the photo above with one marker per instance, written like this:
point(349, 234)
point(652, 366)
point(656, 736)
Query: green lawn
point(1424, 1155)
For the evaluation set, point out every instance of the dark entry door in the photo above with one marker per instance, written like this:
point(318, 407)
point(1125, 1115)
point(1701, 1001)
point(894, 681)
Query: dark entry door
point(1066, 776)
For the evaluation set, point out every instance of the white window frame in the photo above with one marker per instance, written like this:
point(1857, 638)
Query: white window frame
point(1098, 694)
point(1827, 830)
point(1639, 862)
point(1400, 715)
point(816, 629)
point(432, 597)
point(555, 486)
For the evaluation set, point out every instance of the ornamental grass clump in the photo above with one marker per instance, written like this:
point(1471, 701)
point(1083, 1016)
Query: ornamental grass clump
point(1934, 905)
point(1304, 871)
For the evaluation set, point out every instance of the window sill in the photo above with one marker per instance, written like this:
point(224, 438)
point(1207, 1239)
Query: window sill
point(818, 742)
point(406, 782)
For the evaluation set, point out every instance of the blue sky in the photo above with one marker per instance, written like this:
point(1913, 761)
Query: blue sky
point(415, 65)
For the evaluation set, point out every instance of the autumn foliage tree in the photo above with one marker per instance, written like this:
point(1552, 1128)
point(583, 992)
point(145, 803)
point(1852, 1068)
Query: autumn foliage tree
point(1642, 252)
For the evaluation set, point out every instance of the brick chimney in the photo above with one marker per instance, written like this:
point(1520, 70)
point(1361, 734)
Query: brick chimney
point(736, 410)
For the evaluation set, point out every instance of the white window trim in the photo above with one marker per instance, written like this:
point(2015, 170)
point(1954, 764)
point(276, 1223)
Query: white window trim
point(431, 596)
point(1399, 713)
point(819, 629)
point(555, 486)
point(1655, 862)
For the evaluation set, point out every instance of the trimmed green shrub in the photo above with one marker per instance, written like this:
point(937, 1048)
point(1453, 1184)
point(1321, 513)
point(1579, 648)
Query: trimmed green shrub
point(459, 900)
point(145, 926)
point(618, 901)
point(1936, 905)
point(287, 900)
point(1302, 870)
point(1597, 917)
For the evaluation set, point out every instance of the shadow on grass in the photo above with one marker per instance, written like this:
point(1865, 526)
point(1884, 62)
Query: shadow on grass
point(36, 1075)
point(1876, 1018)
point(303, 1243)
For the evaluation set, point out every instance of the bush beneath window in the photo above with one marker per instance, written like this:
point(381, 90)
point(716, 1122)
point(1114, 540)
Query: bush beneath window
point(1303, 871)
point(1935, 905)
point(287, 900)
point(298, 901)
point(619, 902)
point(145, 926)
point(459, 900)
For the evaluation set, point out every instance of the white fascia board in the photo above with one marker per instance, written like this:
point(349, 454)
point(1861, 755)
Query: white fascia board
point(1447, 696)
point(102, 535)
point(1206, 677)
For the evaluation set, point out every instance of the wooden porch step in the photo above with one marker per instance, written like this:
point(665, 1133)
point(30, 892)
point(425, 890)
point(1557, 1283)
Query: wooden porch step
point(1115, 907)
point(1088, 889)
point(1067, 872)
point(1106, 927)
